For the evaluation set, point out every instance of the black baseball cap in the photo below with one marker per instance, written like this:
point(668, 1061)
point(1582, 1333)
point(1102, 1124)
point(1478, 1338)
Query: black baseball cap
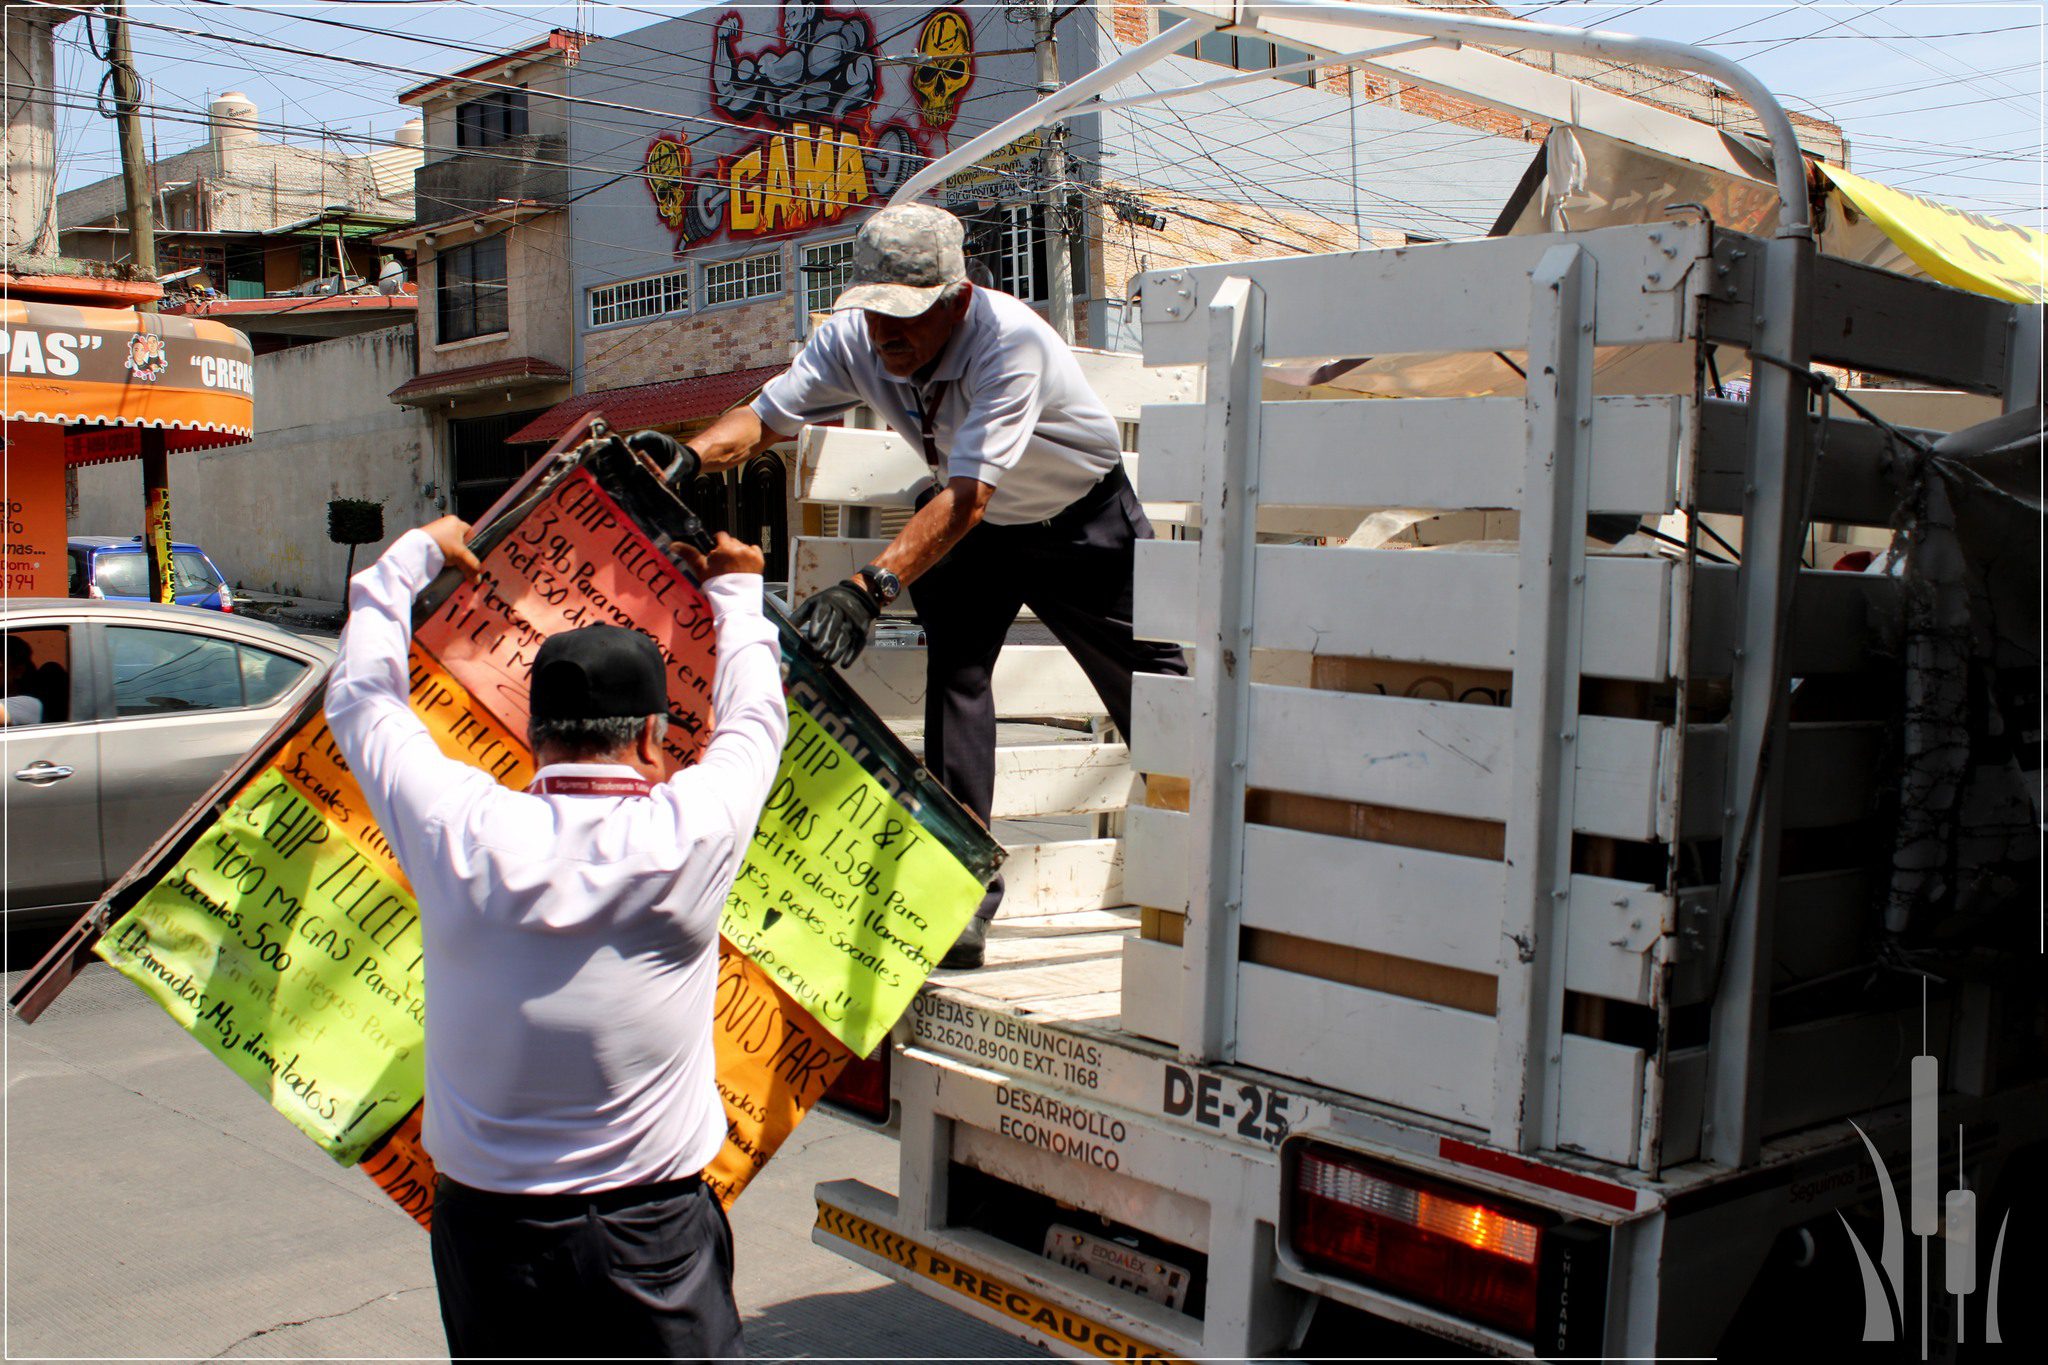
point(598, 672)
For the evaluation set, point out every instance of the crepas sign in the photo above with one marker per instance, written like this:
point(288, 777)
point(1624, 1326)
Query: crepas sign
point(104, 367)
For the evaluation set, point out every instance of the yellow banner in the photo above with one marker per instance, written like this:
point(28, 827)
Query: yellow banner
point(292, 956)
point(844, 899)
point(1954, 246)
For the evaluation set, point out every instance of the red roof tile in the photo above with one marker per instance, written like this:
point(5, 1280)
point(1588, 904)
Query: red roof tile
point(519, 370)
point(669, 403)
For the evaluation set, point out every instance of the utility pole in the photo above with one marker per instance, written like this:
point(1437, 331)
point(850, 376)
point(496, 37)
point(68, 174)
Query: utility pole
point(1052, 196)
point(156, 474)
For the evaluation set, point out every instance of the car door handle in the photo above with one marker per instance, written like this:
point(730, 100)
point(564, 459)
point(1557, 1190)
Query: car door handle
point(42, 773)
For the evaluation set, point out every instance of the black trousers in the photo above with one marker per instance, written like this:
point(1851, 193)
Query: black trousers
point(1074, 572)
point(639, 1272)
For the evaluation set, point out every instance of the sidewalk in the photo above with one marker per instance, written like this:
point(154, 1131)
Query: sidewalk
point(292, 612)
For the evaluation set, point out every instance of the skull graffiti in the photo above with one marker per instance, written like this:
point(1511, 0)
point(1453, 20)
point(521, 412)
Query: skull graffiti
point(946, 43)
point(667, 166)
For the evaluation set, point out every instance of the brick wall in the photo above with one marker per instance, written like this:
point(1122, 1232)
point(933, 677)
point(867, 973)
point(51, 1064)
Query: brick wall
point(1129, 21)
point(735, 337)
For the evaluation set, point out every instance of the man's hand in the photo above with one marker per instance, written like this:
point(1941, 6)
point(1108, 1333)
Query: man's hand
point(728, 555)
point(668, 454)
point(451, 534)
point(835, 622)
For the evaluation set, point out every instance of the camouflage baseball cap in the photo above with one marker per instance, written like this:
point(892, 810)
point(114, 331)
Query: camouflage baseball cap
point(903, 259)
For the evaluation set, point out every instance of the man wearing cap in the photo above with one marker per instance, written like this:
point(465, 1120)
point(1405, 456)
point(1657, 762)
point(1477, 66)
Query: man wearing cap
point(571, 954)
point(1028, 504)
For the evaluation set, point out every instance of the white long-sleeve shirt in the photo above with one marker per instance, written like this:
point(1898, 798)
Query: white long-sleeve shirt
point(1014, 409)
point(571, 942)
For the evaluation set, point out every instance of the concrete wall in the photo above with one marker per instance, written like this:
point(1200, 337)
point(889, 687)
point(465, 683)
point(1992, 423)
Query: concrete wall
point(537, 302)
point(253, 186)
point(324, 430)
point(28, 177)
point(544, 117)
point(450, 182)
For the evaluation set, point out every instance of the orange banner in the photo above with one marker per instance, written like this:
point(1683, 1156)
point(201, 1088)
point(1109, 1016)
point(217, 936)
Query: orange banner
point(34, 563)
point(575, 560)
point(463, 729)
point(402, 1169)
point(774, 1063)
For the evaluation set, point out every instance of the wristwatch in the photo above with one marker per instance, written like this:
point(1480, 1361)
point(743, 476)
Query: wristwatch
point(883, 586)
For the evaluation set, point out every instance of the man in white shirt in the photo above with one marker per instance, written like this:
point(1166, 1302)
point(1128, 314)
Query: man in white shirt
point(1028, 505)
point(571, 945)
point(17, 707)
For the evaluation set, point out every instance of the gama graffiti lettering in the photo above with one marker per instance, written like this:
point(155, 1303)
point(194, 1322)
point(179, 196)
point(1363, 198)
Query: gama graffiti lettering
point(802, 146)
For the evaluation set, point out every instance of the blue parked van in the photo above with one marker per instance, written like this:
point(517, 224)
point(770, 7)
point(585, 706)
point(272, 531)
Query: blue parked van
point(110, 567)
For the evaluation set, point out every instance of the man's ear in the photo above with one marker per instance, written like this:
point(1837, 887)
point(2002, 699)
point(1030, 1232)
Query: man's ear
point(650, 739)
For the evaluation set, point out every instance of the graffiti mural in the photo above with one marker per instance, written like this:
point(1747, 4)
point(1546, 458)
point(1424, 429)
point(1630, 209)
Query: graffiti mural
point(946, 42)
point(823, 69)
point(802, 137)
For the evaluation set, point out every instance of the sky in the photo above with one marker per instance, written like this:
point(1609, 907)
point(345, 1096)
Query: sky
point(1944, 99)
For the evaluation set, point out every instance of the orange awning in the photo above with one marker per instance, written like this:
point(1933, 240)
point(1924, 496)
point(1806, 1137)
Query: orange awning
point(105, 367)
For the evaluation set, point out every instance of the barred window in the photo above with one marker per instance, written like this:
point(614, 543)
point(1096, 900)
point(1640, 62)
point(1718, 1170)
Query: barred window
point(631, 300)
point(749, 277)
point(827, 270)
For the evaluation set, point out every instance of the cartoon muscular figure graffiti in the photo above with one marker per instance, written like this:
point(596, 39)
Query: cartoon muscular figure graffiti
point(803, 141)
point(824, 68)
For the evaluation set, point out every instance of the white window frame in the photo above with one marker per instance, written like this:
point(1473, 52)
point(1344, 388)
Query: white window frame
point(759, 276)
point(811, 278)
point(622, 301)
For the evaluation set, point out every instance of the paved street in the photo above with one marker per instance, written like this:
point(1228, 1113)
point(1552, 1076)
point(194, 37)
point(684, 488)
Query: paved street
point(156, 1207)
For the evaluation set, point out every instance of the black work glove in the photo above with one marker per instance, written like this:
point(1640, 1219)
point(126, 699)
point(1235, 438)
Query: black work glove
point(677, 462)
point(835, 622)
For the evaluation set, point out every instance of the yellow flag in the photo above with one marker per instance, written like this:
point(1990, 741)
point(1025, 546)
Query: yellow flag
point(1952, 245)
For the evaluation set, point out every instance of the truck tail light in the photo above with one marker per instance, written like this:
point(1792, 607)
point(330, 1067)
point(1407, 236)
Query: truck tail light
point(1420, 1239)
point(863, 1086)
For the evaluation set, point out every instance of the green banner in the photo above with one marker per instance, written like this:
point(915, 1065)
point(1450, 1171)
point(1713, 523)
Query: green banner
point(844, 899)
point(294, 957)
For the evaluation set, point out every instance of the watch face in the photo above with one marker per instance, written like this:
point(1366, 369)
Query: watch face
point(887, 585)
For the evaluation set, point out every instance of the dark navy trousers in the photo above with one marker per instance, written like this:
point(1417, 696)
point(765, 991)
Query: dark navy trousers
point(1074, 572)
point(640, 1272)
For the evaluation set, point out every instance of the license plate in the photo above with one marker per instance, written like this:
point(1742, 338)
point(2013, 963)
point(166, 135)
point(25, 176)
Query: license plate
point(1115, 1264)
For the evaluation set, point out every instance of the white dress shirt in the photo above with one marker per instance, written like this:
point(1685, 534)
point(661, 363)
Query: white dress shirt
point(571, 942)
point(1014, 411)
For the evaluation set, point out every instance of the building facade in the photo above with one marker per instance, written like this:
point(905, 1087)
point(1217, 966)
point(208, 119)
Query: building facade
point(491, 242)
point(279, 242)
point(721, 161)
point(711, 171)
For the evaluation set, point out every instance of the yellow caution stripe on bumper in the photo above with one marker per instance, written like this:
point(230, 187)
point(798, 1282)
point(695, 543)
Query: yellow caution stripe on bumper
point(1021, 1305)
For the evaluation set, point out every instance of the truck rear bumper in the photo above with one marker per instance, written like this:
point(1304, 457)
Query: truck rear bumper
point(981, 1275)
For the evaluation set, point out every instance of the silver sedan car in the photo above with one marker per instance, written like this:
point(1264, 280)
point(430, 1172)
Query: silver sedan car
point(114, 718)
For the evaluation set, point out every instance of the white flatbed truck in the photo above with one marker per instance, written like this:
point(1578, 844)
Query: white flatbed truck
point(1515, 981)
